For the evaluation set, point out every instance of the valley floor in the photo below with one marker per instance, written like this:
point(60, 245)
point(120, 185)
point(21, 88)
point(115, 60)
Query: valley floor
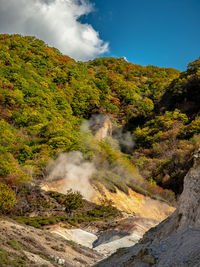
point(106, 238)
point(55, 245)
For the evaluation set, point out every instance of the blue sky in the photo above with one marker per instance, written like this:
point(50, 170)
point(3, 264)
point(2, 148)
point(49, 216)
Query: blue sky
point(164, 33)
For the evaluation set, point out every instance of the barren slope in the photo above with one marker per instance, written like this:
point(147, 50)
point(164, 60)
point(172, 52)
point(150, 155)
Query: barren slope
point(174, 242)
point(27, 246)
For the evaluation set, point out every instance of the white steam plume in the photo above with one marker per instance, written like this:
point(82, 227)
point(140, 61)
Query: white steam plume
point(56, 22)
point(75, 172)
point(125, 140)
point(101, 127)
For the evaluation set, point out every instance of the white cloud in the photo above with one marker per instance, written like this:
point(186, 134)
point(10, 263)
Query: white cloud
point(55, 22)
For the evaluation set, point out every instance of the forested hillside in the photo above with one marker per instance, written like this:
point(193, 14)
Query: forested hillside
point(166, 143)
point(45, 97)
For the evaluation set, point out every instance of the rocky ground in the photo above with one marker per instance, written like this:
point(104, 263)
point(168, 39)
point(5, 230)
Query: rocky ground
point(59, 243)
point(108, 237)
point(27, 246)
point(86, 243)
point(174, 242)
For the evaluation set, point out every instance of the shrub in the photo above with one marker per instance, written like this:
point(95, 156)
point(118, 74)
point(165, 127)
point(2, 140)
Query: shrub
point(14, 244)
point(104, 211)
point(7, 198)
point(73, 201)
point(11, 171)
point(38, 222)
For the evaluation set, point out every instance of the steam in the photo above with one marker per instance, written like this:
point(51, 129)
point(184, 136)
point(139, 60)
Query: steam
point(124, 139)
point(56, 22)
point(101, 127)
point(75, 173)
point(100, 121)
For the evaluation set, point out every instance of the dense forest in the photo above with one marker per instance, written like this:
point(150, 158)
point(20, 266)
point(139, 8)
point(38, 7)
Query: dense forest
point(45, 97)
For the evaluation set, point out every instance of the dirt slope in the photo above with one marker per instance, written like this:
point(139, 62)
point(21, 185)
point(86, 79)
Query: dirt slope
point(135, 203)
point(27, 246)
point(132, 203)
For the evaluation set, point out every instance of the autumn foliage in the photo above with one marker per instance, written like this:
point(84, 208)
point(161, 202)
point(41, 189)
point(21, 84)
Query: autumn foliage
point(45, 96)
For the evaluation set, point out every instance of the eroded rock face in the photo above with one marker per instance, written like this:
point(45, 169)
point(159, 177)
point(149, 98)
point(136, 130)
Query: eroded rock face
point(189, 204)
point(101, 126)
point(131, 203)
point(174, 242)
point(134, 203)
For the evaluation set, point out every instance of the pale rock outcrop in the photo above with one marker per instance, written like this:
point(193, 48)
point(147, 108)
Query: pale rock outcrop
point(101, 126)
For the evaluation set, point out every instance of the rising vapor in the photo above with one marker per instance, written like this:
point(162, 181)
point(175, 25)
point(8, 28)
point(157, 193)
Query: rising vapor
point(75, 172)
point(56, 22)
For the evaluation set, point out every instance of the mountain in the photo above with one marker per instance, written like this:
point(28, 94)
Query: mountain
point(46, 96)
point(120, 135)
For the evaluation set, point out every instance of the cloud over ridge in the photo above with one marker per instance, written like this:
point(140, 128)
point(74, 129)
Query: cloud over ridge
point(56, 22)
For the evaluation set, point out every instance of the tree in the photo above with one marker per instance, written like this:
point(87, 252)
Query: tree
point(73, 201)
point(7, 198)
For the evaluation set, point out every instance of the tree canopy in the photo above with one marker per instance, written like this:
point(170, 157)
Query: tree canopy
point(45, 96)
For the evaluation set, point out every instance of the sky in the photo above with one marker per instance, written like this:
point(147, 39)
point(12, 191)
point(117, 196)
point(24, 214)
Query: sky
point(164, 33)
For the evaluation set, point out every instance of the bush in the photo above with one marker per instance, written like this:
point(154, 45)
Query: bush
point(7, 198)
point(73, 201)
point(11, 171)
point(8, 259)
point(38, 222)
point(104, 211)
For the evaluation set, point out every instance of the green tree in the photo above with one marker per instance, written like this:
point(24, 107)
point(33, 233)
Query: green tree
point(7, 198)
point(73, 201)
